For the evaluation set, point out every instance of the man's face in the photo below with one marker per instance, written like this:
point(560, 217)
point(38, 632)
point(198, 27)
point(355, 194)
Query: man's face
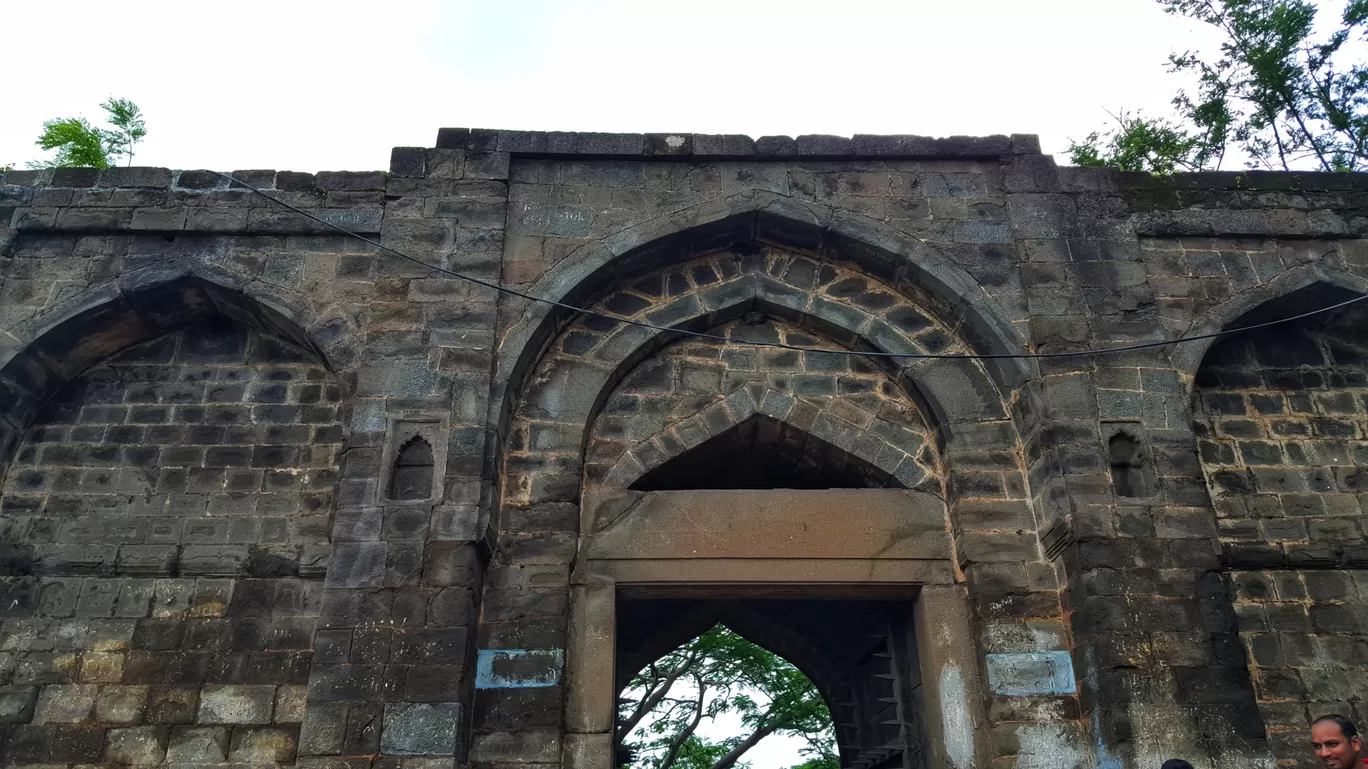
point(1333, 748)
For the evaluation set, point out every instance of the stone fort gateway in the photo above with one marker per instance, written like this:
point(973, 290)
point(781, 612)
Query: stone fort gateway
point(273, 496)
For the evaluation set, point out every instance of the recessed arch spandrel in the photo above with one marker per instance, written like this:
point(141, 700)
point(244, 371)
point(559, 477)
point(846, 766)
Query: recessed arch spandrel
point(750, 294)
point(1265, 302)
point(912, 268)
point(216, 435)
point(144, 304)
point(756, 216)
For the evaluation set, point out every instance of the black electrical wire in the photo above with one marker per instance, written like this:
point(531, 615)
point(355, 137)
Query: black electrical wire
point(782, 345)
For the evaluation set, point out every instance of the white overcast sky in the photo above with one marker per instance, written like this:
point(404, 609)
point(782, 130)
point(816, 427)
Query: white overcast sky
point(312, 86)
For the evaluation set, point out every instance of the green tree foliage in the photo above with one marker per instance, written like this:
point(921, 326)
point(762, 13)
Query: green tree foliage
point(1281, 95)
point(720, 673)
point(80, 144)
point(1138, 144)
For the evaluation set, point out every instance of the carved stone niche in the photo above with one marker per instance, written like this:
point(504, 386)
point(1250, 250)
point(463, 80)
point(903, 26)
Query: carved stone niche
point(1128, 461)
point(414, 460)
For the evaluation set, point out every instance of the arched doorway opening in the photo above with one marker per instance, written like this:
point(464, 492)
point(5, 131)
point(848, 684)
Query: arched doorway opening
point(720, 699)
point(839, 673)
point(804, 473)
point(764, 477)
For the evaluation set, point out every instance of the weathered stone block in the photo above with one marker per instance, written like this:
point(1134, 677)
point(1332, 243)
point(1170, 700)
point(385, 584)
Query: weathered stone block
point(357, 564)
point(197, 745)
point(172, 704)
point(422, 729)
point(74, 177)
point(65, 704)
point(323, 729)
point(77, 744)
point(233, 704)
point(214, 560)
point(776, 146)
point(408, 162)
point(141, 745)
point(292, 181)
point(121, 704)
point(442, 163)
point(487, 165)
point(533, 745)
point(17, 704)
point(136, 176)
point(461, 138)
point(200, 180)
point(290, 704)
point(263, 746)
point(350, 180)
point(455, 523)
point(986, 547)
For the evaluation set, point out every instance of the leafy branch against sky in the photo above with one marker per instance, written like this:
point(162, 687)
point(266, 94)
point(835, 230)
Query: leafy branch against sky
point(80, 144)
point(1285, 92)
point(666, 710)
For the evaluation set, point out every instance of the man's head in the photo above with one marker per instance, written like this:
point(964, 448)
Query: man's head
point(1176, 763)
point(1336, 742)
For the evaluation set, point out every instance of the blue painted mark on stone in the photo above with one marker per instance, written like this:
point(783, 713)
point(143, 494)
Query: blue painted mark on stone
point(518, 668)
point(1032, 673)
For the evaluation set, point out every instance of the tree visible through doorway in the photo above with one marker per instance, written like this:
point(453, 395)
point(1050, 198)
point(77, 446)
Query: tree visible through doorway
point(666, 712)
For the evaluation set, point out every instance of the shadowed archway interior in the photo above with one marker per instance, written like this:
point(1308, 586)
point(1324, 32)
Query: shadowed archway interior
point(860, 654)
point(764, 453)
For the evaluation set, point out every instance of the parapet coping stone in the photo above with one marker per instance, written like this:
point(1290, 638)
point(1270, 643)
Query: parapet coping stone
point(685, 147)
point(732, 146)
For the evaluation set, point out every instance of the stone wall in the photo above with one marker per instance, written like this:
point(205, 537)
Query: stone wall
point(382, 559)
point(214, 439)
point(836, 398)
point(168, 502)
point(173, 503)
point(1282, 421)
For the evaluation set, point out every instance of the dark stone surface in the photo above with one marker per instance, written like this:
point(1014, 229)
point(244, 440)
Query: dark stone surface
point(421, 729)
point(199, 180)
point(75, 177)
point(212, 514)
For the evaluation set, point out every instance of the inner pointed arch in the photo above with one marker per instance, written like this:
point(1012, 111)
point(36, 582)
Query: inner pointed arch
point(765, 439)
point(764, 453)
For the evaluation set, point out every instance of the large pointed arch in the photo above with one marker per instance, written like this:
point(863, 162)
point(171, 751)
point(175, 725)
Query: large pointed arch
point(903, 261)
point(568, 391)
point(39, 357)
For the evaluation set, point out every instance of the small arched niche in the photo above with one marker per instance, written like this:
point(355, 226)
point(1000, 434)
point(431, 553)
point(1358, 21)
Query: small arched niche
point(412, 473)
point(1131, 475)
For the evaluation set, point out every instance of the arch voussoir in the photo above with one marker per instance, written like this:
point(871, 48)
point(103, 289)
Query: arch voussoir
point(883, 445)
point(909, 265)
point(827, 302)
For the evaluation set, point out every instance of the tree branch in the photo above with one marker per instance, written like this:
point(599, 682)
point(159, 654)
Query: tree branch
point(678, 742)
point(659, 689)
point(734, 755)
